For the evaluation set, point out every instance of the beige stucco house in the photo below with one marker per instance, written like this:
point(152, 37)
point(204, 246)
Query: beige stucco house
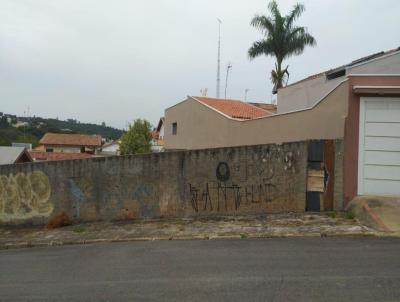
point(307, 92)
point(313, 108)
point(357, 104)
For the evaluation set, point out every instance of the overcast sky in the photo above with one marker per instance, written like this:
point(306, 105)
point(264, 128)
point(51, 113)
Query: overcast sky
point(115, 61)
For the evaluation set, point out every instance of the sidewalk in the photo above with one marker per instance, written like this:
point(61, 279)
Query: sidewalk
point(273, 225)
point(378, 212)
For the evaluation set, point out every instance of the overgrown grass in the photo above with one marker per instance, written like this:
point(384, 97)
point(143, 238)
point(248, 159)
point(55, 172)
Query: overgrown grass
point(79, 228)
point(332, 214)
point(350, 215)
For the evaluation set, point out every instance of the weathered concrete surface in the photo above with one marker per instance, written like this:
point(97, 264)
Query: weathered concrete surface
point(381, 213)
point(227, 181)
point(274, 225)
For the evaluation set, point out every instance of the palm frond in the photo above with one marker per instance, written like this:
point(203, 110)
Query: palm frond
point(263, 23)
point(273, 8)
point(281, 39)
point(260, 47)
point(296, 12)
point(298, 40)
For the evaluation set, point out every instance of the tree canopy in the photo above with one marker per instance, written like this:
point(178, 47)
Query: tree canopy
point(36, 127)
point(137, 139)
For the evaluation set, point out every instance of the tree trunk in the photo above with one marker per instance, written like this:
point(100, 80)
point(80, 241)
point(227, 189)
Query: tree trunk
point(278, 78)
point(279, 83)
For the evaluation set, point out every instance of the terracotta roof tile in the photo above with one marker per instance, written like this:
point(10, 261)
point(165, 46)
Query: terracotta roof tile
point(233, 108)
point(71, 139)
point(40, 148)
point(268, 107)
point(50, 156)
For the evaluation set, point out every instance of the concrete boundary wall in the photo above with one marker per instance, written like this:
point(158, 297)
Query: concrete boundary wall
point(225, 181)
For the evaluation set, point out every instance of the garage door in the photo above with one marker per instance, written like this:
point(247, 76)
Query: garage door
point(379, 146)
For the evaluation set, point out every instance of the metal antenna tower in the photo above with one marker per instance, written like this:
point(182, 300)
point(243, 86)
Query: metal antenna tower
point(227, 74)
point(219, 58)
point(245, 93)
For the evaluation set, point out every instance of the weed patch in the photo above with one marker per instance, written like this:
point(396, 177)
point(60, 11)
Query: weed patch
point(350, 215)
point(79, 229)
point(332, 215)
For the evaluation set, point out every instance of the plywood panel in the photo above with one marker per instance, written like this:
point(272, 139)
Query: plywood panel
point(315, 180)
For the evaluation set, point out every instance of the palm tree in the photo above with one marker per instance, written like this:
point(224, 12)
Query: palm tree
point(282, 39)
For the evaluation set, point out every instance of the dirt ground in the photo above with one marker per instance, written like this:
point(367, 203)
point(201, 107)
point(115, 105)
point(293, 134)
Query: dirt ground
point(273, 225)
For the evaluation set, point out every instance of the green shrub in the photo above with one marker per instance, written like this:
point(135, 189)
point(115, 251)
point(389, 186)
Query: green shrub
point(350, 215)
point(79, 229)
point(332, 214)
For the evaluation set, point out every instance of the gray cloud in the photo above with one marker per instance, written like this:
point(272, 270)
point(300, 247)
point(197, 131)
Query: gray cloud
point(115, 61)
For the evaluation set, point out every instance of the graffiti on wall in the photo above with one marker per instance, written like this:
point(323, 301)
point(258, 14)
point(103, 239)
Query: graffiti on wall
point(24, 195)
point(245, 183)
point(218, 197)
point(77, 197)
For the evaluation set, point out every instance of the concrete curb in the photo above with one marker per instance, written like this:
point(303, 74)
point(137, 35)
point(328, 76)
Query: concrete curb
point(374, 216)
point(20, 245)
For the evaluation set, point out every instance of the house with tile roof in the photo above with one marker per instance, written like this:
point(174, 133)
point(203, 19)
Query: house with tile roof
point(195, 121)
point(51, 156)
point(157, 137)
point(233, 108)
point(266, 106)
point(70, 143)
point(354, 107)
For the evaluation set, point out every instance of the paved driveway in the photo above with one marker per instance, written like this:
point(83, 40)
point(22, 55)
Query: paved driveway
point(297, 269)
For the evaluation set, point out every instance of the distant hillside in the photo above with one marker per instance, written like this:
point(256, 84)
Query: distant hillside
point(31, 130)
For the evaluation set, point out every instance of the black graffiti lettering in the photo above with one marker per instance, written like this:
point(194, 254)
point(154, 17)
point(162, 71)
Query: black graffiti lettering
point(222, 172)
point(260, 192)
point(222, 188)
point(238, 196)
point(206, 196)
point(257, 178)
point(247, 194)
point(271, 192)
point(194, 193)
point(251, 194)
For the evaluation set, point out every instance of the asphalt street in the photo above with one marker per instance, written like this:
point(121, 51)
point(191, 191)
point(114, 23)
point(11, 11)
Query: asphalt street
point(279, 269)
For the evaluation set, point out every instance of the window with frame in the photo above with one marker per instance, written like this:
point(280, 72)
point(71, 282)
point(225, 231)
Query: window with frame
point(174, 128)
